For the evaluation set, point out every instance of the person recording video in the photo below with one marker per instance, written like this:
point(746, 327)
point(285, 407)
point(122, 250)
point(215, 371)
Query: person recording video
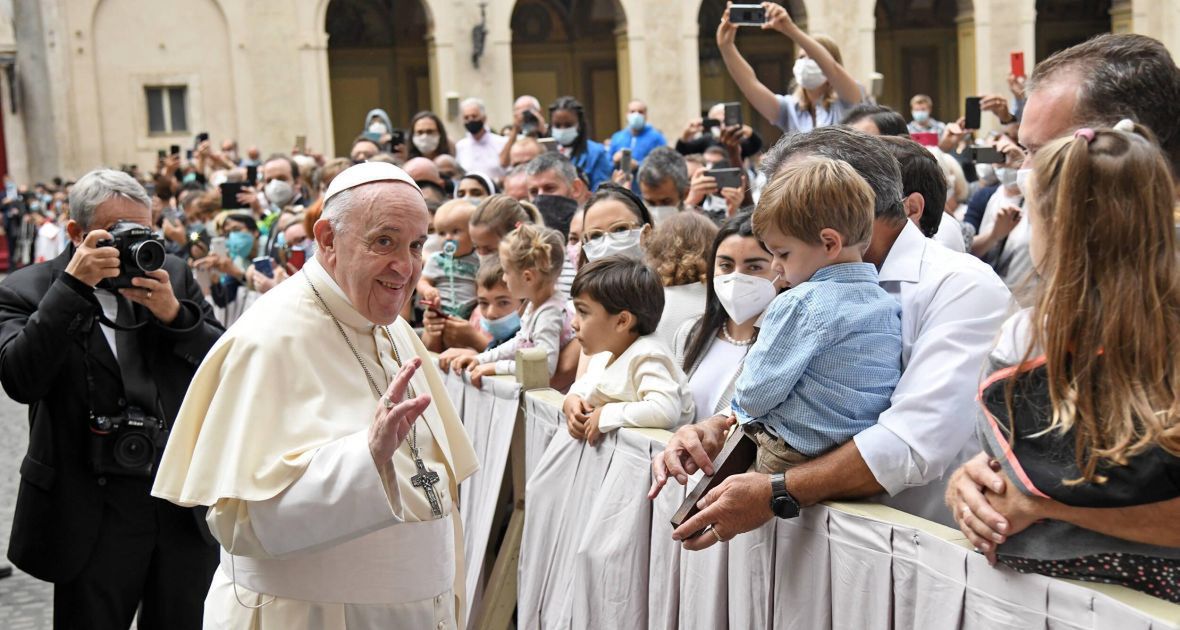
point(101, 343)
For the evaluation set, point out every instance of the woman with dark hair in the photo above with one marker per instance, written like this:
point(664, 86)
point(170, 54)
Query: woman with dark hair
point(475, 187)
point(428, 136)
point(740, 285)
point(568, 127)
point(615, 222)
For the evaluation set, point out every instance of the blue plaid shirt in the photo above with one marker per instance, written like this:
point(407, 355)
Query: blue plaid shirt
point(826, 361)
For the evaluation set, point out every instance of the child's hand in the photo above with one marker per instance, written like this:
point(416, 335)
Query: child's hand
point(453, 354)
point(576, 410)
point(477, 372)
point(428, 294)
point(463, 364)
point(593, 435)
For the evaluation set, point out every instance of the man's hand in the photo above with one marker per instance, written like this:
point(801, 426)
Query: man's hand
point(997, 105)
point(733, 199)
point(92, 264)
point(691, 448)
point(249, 197)
point(695, 126)
point(261, 282)
point(1016, 86)
point(703, 184)
point(218, 262)
point(175, 231)
point(477, 372)
point(154, 291)
point(620, 178)
point(740, 504)
point(391, 424)
point(576, 411)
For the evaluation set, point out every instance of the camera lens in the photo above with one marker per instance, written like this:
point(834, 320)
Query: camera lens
point(133, 450)
point(148, 255)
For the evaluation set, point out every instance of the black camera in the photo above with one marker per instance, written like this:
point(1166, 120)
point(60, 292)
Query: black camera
point(126, 444)
point(529, 123)
point(140, 251)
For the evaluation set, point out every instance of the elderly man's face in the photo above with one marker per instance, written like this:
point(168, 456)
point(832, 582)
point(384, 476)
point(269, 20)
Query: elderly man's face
point(471, 113)
point(277, 169)
point(376, 257)
point(1048, 114)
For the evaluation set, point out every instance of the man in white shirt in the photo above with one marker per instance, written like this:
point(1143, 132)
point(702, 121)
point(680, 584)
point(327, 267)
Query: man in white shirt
point(952, 306)
point(479, 151)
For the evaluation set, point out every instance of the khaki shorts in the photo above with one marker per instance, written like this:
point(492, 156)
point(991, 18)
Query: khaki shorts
point(774, 456)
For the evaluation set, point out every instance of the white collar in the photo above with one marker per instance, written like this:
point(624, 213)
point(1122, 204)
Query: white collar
point(904, 261)
point(316, 270)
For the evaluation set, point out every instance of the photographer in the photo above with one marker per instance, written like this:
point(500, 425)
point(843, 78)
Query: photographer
point(101, 343)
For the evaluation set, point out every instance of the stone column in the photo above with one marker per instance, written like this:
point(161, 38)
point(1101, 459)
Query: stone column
point(37, 113)
point(454, 76)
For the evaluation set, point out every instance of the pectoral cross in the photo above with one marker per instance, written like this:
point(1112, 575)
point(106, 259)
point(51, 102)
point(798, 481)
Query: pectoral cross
point(426, 479)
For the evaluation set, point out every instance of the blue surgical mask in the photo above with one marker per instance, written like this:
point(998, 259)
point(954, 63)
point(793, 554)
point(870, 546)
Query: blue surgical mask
point(564, 136)
point(920, 115)
point(636, 121)
point(501, 328)
point(239, 244)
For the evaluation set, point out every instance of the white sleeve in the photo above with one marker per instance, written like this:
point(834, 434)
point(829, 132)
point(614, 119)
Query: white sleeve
point(342, 495)
point(660, 399)
point(933, 408)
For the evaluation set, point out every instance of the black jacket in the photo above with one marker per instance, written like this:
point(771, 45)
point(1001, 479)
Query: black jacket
point(48, 335)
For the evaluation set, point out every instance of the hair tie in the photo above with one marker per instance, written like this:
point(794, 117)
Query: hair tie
point(518, 224)
point(1085, 132)
point(1126, 125)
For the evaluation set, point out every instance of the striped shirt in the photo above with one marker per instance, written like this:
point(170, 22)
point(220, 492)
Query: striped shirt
point(826, 361)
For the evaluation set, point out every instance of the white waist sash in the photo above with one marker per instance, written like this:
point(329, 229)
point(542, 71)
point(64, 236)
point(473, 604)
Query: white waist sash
point(399, 564)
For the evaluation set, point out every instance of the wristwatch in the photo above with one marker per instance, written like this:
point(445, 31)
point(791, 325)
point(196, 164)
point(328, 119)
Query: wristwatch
point(781, 502)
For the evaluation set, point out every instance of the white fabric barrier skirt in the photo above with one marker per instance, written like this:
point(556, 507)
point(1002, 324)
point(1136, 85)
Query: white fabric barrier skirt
point(597, 554)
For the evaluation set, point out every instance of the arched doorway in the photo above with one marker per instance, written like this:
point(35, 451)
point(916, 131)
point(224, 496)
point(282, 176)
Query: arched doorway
point(1064, 23)
point(378, 57)
point(562, 47)
point(770, 54)
point(917, 51)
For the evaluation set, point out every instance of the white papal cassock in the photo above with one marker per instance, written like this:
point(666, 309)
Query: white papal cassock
point(273, 436)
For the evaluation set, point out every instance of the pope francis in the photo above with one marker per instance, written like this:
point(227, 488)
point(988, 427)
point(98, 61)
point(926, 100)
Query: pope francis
point(322, 441)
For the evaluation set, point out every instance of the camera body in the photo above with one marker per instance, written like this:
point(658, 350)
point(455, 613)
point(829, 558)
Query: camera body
point(140, 251)
point(126, 444)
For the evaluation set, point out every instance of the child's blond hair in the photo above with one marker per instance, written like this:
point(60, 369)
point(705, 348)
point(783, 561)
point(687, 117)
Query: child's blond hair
point(540, 249)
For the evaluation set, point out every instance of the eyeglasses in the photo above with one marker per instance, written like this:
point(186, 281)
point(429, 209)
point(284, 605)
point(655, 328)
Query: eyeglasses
point(617, 234)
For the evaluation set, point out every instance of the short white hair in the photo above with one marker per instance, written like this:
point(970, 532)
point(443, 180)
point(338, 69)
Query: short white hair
point(528, 99)
point(97, 187)
point(470, 101)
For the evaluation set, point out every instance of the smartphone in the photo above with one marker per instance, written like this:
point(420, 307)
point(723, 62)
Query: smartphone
point(218, 246)
point(201, 137)
point(625, 160)
point(174, 149)
point(1016, 61)
point(733, 114)
point(229, 195)
point(296, 257)
point(727, 177)
point(251, 175)
point(987, 155)
point(301, 144)
point(188, 155)
point(549, 143)
point(747, 14)
point(925, 138)
point(972, 114)
point(161, 154)
point(264, 266)
point(398, 137)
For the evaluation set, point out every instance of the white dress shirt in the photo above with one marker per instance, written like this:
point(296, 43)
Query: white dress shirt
point(950, 234)
point(952, 307)
point(643, 387)
point(483, 155)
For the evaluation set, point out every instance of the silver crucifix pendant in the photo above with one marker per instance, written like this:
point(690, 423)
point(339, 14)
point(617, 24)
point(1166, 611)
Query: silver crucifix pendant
point(426, 479)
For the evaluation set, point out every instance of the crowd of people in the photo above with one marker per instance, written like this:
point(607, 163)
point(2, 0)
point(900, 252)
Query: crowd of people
point(834, 297)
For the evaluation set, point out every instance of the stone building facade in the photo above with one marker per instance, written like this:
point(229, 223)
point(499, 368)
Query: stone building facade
point(109, 82)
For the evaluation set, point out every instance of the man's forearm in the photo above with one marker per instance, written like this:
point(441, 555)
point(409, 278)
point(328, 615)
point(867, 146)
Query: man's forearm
point(838, 474)
point(1151, 523)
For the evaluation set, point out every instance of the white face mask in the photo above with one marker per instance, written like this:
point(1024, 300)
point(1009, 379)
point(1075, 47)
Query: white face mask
point(1007, 177)
point(659, 213)
point(743, 297)
point(279, 193)
point(378, 128)
point(986, 173)
point(1022, 176)
point(564, 136)
point(615, 244)
point(426, 142)
point(808, 74)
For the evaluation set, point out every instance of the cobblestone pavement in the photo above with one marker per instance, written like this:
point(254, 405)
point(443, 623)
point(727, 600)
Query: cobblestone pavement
point(26, 603)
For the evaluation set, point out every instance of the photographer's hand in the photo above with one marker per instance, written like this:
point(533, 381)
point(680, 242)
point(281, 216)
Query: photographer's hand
point(154, 291)
point(92, 264)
